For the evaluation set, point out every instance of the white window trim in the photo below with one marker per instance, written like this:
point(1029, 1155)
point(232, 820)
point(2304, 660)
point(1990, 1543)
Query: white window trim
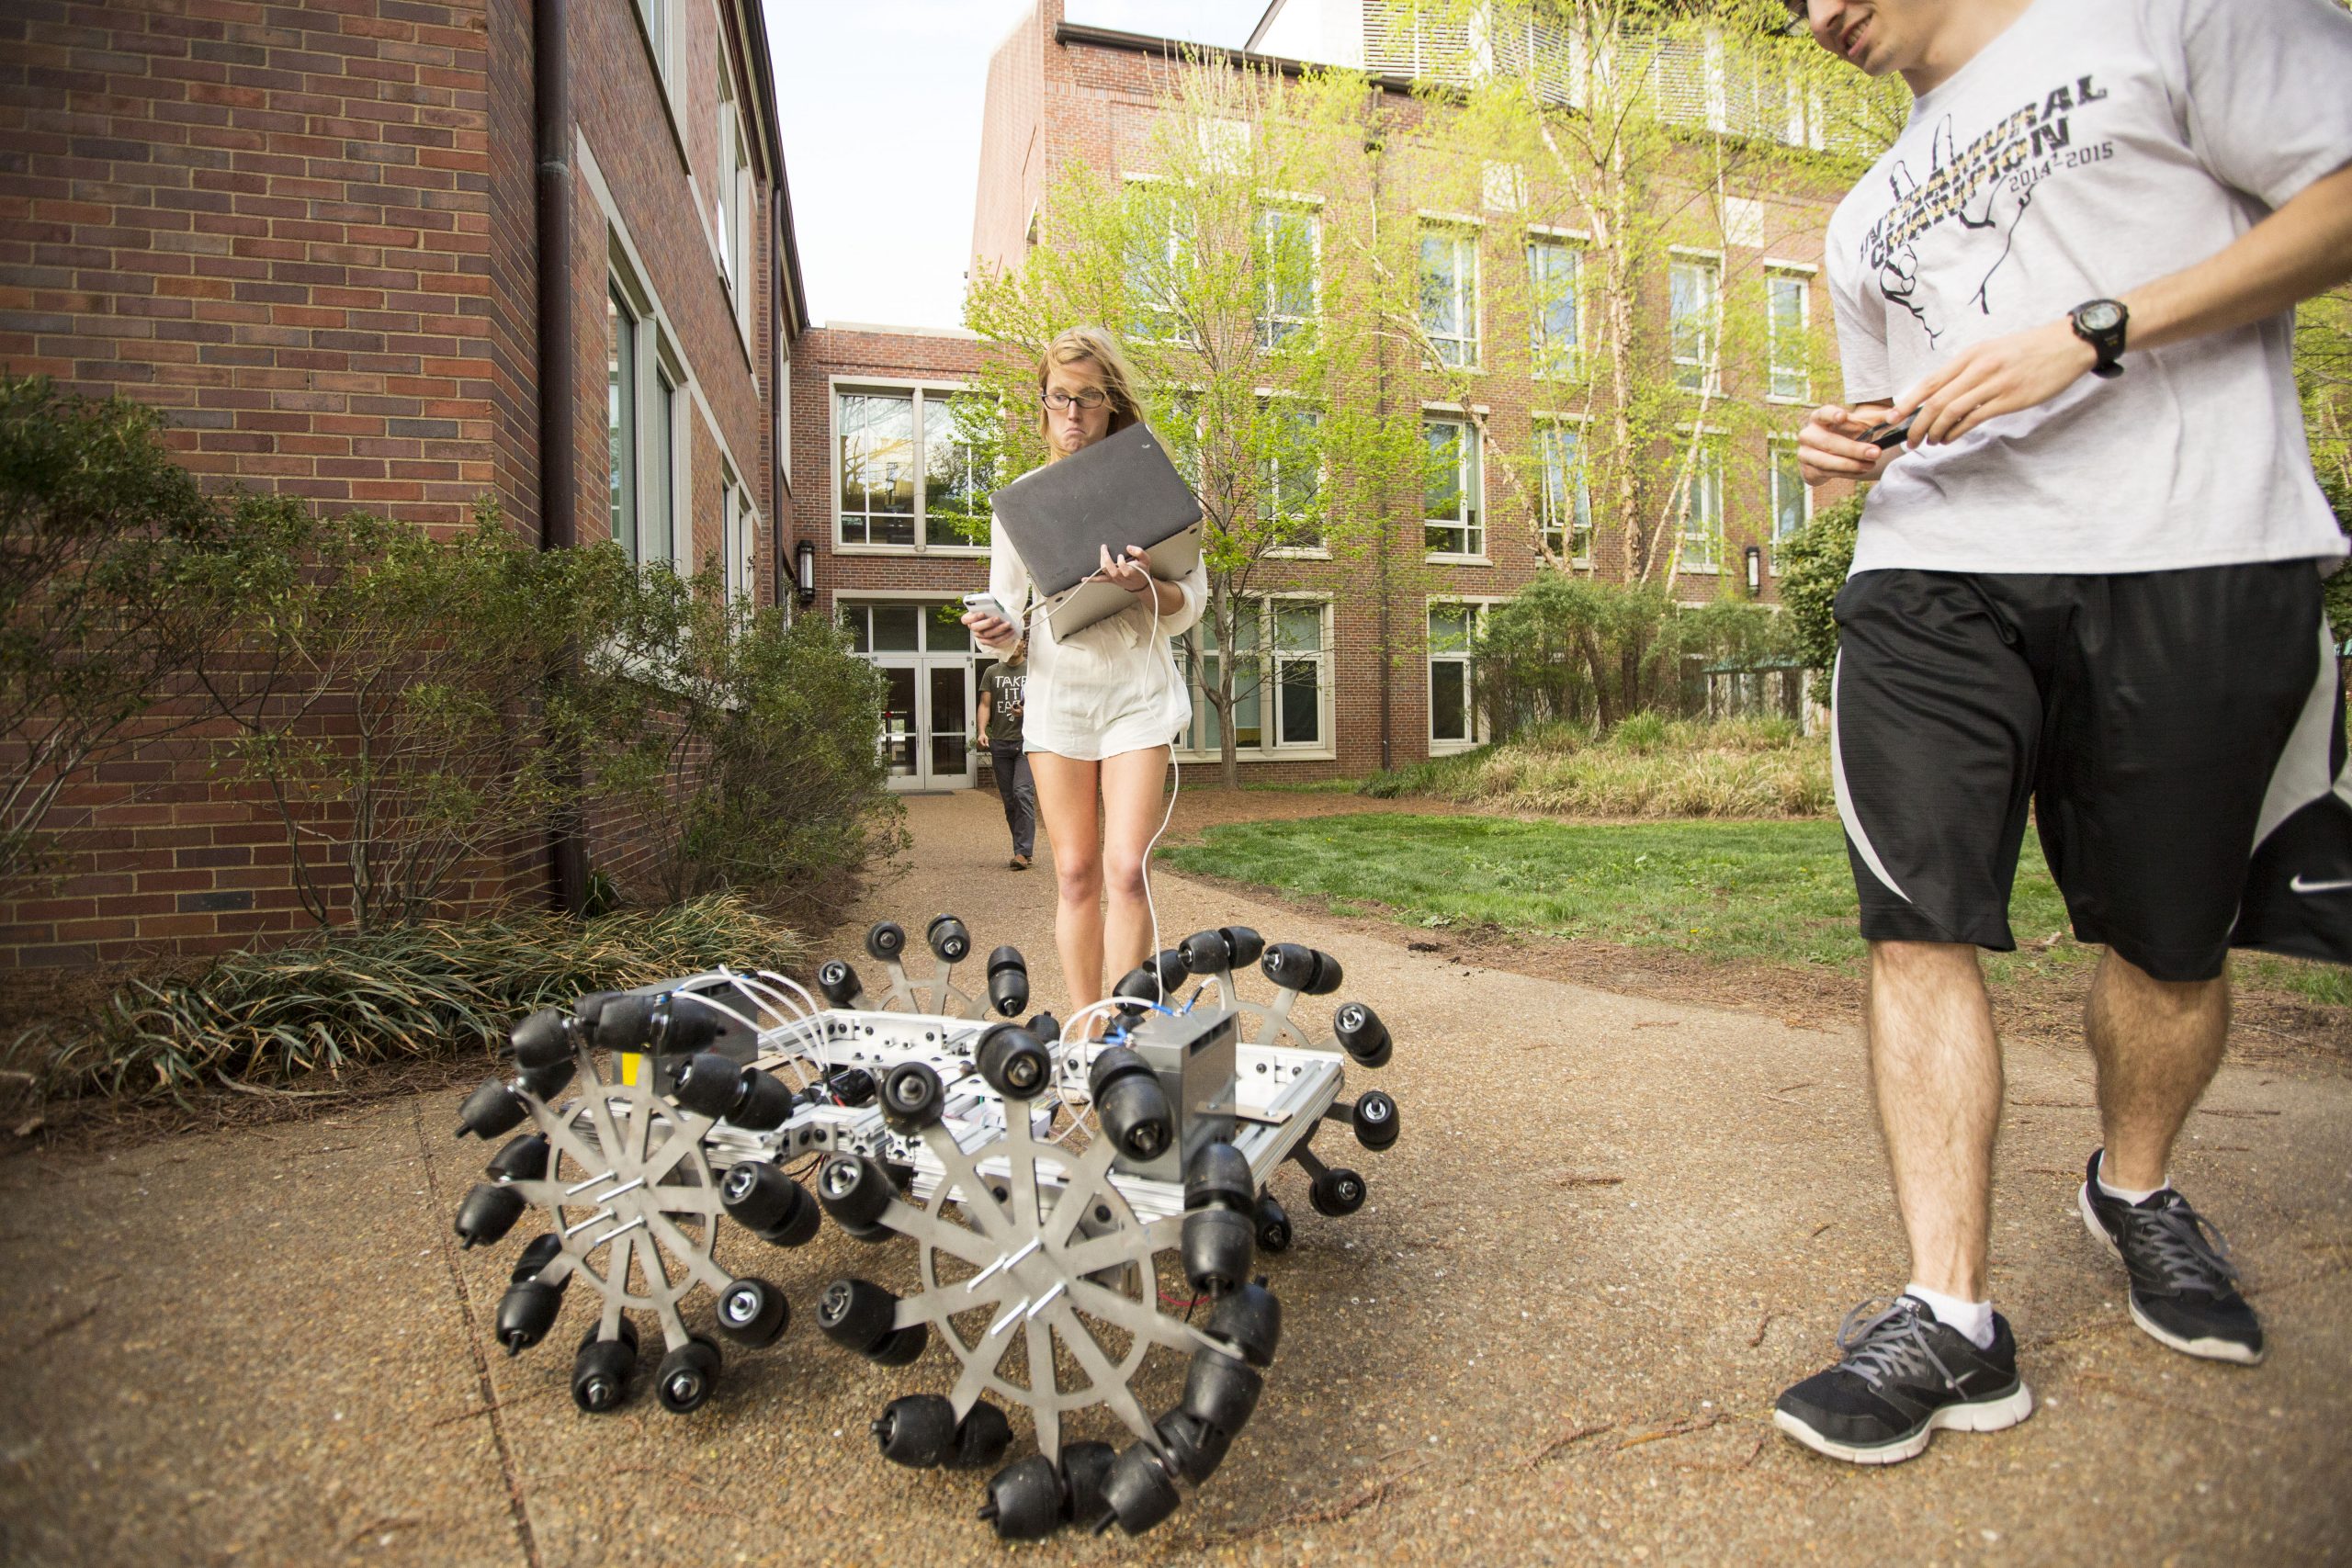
point(1711, 368)
point(1479, 603)
point(1322, 478)
point(1467, 228)
point(1269, 717)
point(662, 54)
point(1577, 245)
point(1172, 239)
point(1537, 419)
point(1313, 215)
point(834, 387)
point(1462, 416)
point(655, 358)
point(623, 249)
point(1695, 432)
point(1804, 328)
point(1773, 447)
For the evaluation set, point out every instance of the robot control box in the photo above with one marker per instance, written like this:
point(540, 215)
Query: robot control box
point(1195, 1058)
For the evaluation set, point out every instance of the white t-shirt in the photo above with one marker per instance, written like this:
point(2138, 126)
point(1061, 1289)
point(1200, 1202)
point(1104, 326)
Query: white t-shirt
point(2092, 147)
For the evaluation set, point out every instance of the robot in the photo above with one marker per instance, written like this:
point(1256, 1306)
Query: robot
point(1072, 1204)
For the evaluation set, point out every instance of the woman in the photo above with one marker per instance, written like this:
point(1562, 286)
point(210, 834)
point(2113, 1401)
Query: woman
point(1100, 709)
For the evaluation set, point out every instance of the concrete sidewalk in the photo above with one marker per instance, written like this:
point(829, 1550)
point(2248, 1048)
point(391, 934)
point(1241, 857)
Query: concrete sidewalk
point(1614, 1228)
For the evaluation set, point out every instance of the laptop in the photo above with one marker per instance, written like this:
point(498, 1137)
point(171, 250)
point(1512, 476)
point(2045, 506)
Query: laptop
point(1121, 491)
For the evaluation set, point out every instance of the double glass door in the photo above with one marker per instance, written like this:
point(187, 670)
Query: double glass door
point(927, 670)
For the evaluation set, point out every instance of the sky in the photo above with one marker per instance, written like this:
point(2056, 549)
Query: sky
point(878, 102)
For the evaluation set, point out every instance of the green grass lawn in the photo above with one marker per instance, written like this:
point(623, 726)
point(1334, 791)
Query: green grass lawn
point(1730, 891)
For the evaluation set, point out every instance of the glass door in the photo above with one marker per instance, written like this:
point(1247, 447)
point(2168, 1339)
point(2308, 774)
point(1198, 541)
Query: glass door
point(901, 757)
point(948, 722)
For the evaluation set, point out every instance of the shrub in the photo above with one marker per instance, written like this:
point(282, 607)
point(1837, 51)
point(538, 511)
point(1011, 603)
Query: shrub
point(1647, 766)
point(427, 990)
point(116, 570)
point(1813, 564)
point(754, 762)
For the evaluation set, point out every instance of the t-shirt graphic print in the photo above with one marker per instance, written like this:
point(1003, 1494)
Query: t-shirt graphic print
point(2092, 147)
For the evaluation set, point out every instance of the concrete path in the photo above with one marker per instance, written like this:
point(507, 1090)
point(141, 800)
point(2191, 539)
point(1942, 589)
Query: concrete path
point(1613, 1230)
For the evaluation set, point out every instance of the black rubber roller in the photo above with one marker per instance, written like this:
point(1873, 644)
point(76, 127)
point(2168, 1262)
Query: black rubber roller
point(981, 1438)
point(1008, 982)
point(1220, 1391)
point(1309, 972)
point(1219, 1245)
point(752, 1312)
point(1014, 1062)
point(950, 942)
point(1251, 1320)
point(1337, 1193)
point(1274, 1224)
point(857, 1314)
point(491, 1111)
point(486, 1213)
point(1137, 1491)
point(600, 1371)
point(839, 982)
point(686, 1376)
point(1194, 1447)
point(912, 1096)
point(525, 1313)
point(1219, 1177)
point(544, 1249)
point(855, 1190)
point(1130, 1104)
point(1154, 980)
point(885, 939)
point(523, 1159)
point(768, 1203)
point(1220, 950)
point(542, 1039)
point(708, 1085)
point(1362, 1034)
point(917, 1430)
point(550, 1080)
point(1025, 1500)
point(1085, 1466)
point(1375, 1120)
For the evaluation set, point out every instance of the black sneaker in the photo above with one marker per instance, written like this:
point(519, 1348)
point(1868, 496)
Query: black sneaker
point(2183, 1287)
point(1900, 1375)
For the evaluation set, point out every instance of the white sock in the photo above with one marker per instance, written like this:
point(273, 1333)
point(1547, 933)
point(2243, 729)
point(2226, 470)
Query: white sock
point(2126, 1193)
point(1971, 1320)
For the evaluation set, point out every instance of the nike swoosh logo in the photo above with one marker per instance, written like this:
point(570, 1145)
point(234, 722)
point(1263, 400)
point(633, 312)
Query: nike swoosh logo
point(2300, 885)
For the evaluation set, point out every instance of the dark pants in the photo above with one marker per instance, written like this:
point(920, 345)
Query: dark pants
point(1011, 765)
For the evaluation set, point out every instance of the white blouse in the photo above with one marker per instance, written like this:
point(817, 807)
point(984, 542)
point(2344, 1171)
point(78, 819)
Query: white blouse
point(1114, 686)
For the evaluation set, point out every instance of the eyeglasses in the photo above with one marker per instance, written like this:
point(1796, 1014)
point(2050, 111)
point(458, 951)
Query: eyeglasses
point(1090, 399)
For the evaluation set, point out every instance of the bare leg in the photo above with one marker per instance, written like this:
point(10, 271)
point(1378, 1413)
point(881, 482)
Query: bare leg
point(2157, 1043)
point(1066, 800)
point(1936, 1067)
point(1133, 806)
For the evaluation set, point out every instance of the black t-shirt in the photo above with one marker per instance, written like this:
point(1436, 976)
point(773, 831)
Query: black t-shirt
point(1006, 684)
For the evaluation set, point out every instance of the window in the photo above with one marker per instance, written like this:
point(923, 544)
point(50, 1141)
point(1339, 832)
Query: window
point(909, 481)
point(895, 626)
point(1156, 265)
point(1552, 315)
point(1454, 713)
point(1567, 498)
point(620, 418)
point(1291, 487)
point(1450, 294)
point(1702, 505)
point(731, 200)
point(655, 15)
point(1693, 284)
point(1451, 511)
point(1785, 318)
point(735, 531)
point(1792, 502)
point(1290, 248)
point(1281, 678)
point(661, 532)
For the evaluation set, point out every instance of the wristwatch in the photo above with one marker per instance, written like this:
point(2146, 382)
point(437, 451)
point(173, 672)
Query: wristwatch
point(2100, 323)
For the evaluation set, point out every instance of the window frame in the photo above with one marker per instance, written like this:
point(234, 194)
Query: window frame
point(1270, 479)
point(1465, 234)
point(1776, 447)
point(1573, 245)
point(1709, 362)
point(1277, 329)
point(1470, 466)
point(659, 393)
point(1192, 657)
point(918, 391)
point(1716, 441)
point(1172, 242)
point(1801, 370)
point(1478, 731)
point(1581, 426)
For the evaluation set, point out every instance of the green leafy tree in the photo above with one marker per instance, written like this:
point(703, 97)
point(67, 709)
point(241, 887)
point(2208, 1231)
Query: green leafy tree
point(1814, 563)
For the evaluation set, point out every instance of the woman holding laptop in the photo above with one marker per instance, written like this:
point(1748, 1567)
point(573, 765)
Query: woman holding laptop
point(1104, 707)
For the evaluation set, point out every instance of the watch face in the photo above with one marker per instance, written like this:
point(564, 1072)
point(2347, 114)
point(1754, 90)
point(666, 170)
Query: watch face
point(2100, 316)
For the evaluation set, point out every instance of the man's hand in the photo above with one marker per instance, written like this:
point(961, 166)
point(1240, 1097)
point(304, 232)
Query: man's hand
point(1830, 447)
point(1998, 375)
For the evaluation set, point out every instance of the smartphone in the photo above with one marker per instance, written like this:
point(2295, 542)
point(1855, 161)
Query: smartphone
point(1893, 435)
point(986, 604)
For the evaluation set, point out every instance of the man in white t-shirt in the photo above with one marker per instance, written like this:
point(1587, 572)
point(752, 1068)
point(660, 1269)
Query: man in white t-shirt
point(2086, 584)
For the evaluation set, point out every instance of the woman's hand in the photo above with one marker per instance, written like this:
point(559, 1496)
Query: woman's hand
point(1132, 572)
point(994, 630)
point(1830, 446)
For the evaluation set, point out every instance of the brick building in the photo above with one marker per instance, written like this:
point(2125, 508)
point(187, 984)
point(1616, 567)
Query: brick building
point(371, 252)
point(1350, 682)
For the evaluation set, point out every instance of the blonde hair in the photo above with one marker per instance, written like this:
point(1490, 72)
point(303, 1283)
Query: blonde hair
point(1070, 346)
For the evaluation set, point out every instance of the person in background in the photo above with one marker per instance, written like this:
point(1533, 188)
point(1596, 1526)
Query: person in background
point(1002, 687)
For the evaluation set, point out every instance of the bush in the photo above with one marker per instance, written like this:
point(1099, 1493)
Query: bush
point(115, 572)
point(753, 764)
point(1814, 562)
point(1647, 766)
point(428, 991)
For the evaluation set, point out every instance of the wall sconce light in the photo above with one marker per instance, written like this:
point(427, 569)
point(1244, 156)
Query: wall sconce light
point(804, 571)
point(1755, 571)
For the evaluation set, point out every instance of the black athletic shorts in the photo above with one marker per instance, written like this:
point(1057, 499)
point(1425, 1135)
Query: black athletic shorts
point(2179, 736)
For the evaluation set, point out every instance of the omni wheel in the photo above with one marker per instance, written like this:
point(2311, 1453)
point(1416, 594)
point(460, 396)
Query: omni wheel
point(1041, 1282)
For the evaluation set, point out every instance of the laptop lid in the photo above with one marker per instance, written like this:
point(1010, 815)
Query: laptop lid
point(1121, 491)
